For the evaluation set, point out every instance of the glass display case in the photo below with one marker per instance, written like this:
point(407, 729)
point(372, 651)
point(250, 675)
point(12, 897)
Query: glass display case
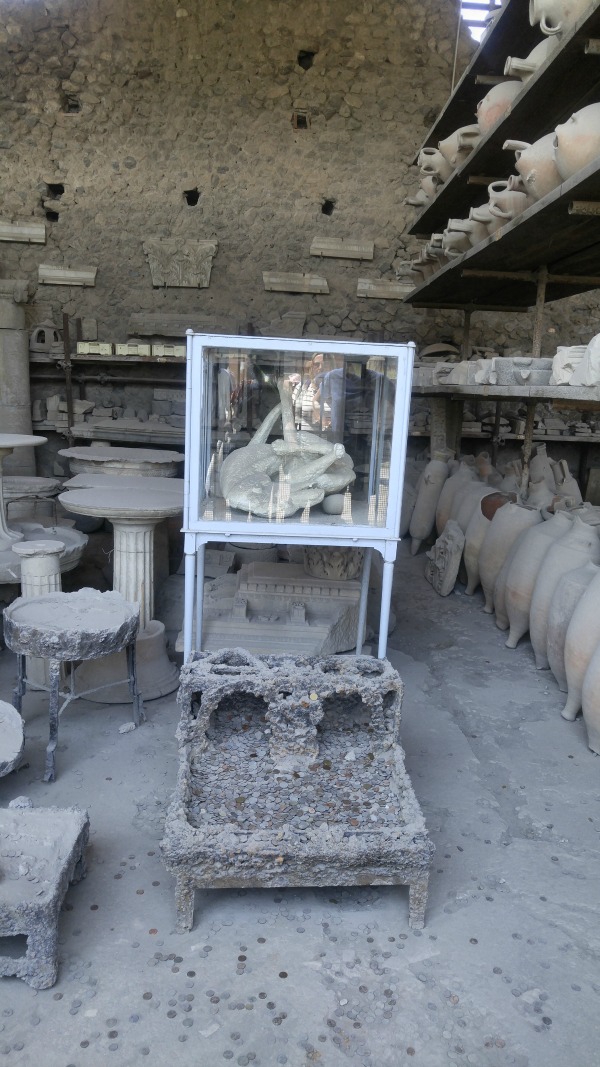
point(294, 442)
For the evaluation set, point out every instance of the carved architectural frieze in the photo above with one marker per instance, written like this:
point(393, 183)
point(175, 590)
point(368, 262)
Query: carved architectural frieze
point(180, 264)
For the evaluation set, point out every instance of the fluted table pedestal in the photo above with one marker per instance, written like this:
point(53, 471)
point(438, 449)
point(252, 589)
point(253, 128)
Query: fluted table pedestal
point(134, 514)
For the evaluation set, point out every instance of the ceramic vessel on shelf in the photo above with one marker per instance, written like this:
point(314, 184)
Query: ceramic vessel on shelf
point(428, 493)
point(475, 231)
point(582, 640)
point(496, 104)
point(579, 545)
point(556, 16)
point(566, 484)
point(536, 165)
point(565, 598)
point(577, 141)
point(524, 68)
point(455, 242)
point(523, 572)
point(484, 215)
point(458, 145)
point(590, 702)
point(431, 161)
point(505, 202)
point(502, 533)
point(540, 467)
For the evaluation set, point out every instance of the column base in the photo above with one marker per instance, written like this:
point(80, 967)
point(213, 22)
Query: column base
point(157, 675)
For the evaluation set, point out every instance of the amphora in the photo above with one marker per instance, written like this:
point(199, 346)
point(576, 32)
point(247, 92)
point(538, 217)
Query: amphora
point(536, 165)
point(458, 145)
point(466, 473)
point(582, 640)
point(524, 68)
point(565, 599)
point(577, 141)
point(523, 572)
point(556, 16)
point(590, 702)
point(477, 528)
point(579, 545)
point(429, 489)
point(506, 526)
point(496, 104)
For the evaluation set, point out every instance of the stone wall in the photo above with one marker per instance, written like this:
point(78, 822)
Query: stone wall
point(137, 120)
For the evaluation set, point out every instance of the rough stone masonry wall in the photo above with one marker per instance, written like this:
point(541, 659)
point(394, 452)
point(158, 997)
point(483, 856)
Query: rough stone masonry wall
point(130, 105)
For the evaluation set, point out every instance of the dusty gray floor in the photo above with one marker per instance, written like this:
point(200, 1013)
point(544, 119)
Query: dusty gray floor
point(505, 972)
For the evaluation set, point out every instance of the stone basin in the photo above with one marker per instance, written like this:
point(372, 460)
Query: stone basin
point(144, 462)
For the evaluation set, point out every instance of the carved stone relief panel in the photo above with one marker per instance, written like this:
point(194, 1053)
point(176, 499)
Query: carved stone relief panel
point(180, 264)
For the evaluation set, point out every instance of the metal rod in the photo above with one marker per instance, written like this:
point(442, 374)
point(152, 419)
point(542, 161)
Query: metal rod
point(496, 432)
point(466, 337)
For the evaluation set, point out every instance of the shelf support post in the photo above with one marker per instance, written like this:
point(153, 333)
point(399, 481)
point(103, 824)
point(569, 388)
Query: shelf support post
point(538, 321)
point(527, 444)
point(466, 339)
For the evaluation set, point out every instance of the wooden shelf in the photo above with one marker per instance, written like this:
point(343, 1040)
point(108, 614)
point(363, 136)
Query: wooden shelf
point(80, 357)
point(546, 233)
point(569, 78)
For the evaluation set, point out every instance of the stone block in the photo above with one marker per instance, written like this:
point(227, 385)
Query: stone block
point(43, 851)
point(262, 797)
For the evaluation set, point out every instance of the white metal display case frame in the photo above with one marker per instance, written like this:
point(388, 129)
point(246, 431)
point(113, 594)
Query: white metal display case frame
point(198, 531)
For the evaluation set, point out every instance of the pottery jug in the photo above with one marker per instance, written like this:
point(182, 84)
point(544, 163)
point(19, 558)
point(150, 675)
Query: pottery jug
point(466, 473)
point(486, 470)
point(505, 202)
point(431, 161)
point(484, 216)
point(536, 165)
point(523, 572)
point(496, 104)
point(566, 596)
point(455, 242)
point(556, 16)
point(582, 640)
point(577, 141)
point(430, 184)
point(503, 531)
point(540, 467)
point(579, 545)
point(475, 533)
point(458, 145)
point(566, 484)
point(477, 230)
point(590, 702)
point(429, 489)
point(524, 68)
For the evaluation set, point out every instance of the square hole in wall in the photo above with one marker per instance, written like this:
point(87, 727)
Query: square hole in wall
point(13, 946)
point(300, 119)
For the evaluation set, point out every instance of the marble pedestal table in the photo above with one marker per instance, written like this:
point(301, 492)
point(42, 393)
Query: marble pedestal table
point(73, 542)
point(65, 628)
point(134, 514)
point(40, 573)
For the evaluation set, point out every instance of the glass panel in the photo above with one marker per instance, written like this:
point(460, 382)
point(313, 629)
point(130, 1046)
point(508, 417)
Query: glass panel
point(296, 437)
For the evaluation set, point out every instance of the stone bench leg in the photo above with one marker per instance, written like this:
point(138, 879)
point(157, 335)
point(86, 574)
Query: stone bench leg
point(54, 672)
point(21, 685)
point(417, 902)
point(41, 959)
point(184, 903)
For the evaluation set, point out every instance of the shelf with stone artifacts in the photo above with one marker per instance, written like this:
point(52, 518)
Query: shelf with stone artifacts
point(295, 441)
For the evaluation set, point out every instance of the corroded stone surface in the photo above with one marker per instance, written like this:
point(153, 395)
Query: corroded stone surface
point(41, 853)
point(291, 773)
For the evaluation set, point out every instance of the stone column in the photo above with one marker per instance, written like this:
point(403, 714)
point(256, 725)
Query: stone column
point(133, 564)
point(15, 402)
point(40, 573)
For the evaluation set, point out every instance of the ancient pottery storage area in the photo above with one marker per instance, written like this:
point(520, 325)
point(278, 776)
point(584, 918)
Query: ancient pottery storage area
point(299, 533)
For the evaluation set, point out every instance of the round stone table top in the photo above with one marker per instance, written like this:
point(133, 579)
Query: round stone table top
point(113, 503)
point(38, 548)
point(69, 626)
point(20, 440)
point(99, 479)
point(121, 460)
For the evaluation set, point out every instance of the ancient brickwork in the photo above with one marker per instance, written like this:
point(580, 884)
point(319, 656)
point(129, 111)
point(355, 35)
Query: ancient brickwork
point(255, 124)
